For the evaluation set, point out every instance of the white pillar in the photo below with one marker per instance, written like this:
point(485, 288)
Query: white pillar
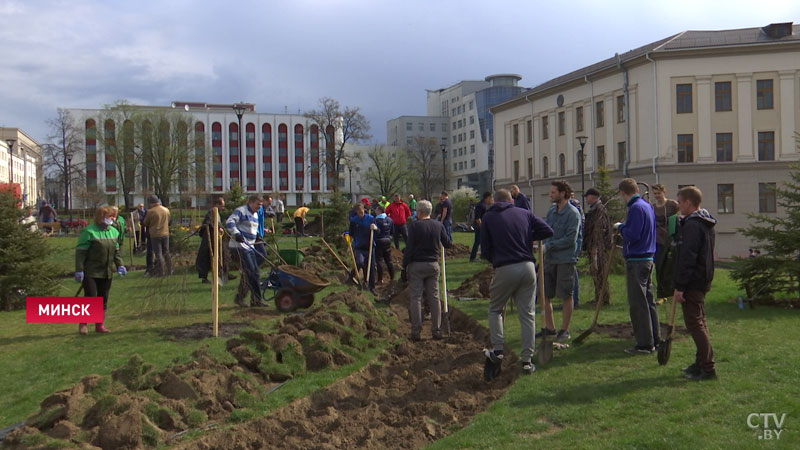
point(744, 108)
point(788, 148)
point(704, 118)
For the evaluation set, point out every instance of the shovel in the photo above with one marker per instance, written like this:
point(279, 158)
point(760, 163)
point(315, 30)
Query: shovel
point(600, 297)
point(446, 309)
point(666, 346)
point(545, 353)
point(369, 255)
point(335, 255)
point(353, 257)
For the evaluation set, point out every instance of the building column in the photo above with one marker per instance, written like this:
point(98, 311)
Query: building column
point(552, 136)
point(704, 118)
point(537, 151)
point(569, 132)
point(787, 148)
point(744, 82)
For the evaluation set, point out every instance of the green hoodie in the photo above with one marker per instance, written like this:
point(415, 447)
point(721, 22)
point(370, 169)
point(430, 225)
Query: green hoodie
point(97, 254)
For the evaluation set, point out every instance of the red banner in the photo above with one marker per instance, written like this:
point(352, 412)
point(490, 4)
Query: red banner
point(65, 310)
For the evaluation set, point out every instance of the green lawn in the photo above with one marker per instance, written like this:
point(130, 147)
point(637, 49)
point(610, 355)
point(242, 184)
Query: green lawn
point(593, 396)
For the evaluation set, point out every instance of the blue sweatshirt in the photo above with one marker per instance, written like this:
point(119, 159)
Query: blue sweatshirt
point(564, 245)
point(360, 230)
point(385, 227)
point(507, 234)
point(639, 230)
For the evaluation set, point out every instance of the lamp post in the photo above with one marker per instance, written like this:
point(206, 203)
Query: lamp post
point(68, 195)
point(10, 143)
point(443, 146)
point(350, 170)
point(582, 141)
point(239, 109)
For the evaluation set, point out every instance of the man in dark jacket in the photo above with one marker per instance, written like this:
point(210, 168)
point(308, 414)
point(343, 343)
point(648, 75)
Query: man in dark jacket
point(597, 242)
point(694, 271)
point(480, 210)
point(420, 264)
point(362, 225)
point(507, 238)
point(638, 247)
point(520, 200)
point(383, 243)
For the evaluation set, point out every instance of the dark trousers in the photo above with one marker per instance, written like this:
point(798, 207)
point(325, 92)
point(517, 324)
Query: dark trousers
point(383, 252)
point(162, 261)
point(149, 257)
point(250, 279)
point(694, 316)
point(203, 260)
point(97, 287)
point(475, 244)
point(261, 252)
point(643, 309)
point(362, 255)
point(400, 230)
point(299, 226)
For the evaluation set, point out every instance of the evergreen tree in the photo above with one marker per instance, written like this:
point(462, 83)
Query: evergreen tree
point(609, 197)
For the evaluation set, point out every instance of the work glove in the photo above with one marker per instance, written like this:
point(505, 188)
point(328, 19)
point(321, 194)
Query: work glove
point(122, 270)
point(374, 227)
point(79, 277)
point(617, 225)
point(239, 237)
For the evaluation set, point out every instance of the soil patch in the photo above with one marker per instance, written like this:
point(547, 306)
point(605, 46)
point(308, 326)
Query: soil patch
point(625, 330)
point(476, 286)
point(305, 275)
point(203, 330)
point(457, 251)
point(416, 393)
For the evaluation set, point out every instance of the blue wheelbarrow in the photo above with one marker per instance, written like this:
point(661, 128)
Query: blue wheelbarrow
point(292, 287)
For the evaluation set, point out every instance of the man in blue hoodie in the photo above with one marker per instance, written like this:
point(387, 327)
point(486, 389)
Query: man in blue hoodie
point(694, 271)
point(638, 247)
point(507, 237)
point(362, 226)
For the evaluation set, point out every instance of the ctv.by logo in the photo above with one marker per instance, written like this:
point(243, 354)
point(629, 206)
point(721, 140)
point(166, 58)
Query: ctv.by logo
point(770, 426)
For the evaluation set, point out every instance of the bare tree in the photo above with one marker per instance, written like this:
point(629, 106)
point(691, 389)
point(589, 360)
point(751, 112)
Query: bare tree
point(355, 128)
point(166, 149)
point(426, 163)
point(65, 141)
point(116, 130)
point(389, 170)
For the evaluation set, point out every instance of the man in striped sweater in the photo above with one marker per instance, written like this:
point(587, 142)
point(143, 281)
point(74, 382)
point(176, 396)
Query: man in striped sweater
point(243, 228)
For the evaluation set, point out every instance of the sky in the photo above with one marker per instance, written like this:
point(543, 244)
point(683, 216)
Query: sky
point(377, 55)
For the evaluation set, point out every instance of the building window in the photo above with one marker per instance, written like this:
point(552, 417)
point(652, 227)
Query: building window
point(725, 198)
point(455, 166)
point(455, 125)
point(515, 129)
point(444, 127)
point(409, 126)
point(601, 156)
point(767, 202)
point(764, 94)
point(562, 165)
point(622, 154)
point(561, 123)
point(472, 163)
point(620, 108)
point(472, 134)
point(685, 148)
point(766, 146)
point(421, 126)
point(683, 98)
point(545, 120)
point(516, 170)
point(471, 120)
point(579, 118)
point(433, 127)
point(529, 131)
point(471, 105)
point(724, 147)
point(599, 113)
point(545, 167)
point(722, 96)
point(472, 148)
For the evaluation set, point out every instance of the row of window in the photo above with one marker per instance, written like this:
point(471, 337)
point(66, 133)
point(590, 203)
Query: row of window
point(463, 136)
point(562, 120)
point(462, 151)
point(421, 126)
point(562, 161)
point(767, 198)
point(462, 123)
point(723, 96)
point(460, 109)
point(724, 146)
point(463, 165)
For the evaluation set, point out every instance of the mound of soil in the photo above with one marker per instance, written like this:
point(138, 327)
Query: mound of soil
point(204, 330)
point(457, 251)
point(305, 275)
point(476, 286)
point(625, 330)
point(416, 393)
point(319, 260)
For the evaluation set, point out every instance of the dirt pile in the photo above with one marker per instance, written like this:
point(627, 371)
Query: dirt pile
point(476, 286)
point(416, 393)
point(319, 260)
point(138, 407)
point(457, 251)
point(313, 226)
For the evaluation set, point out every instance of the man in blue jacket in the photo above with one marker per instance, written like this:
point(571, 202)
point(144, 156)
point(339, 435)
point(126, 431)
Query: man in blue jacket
point(638, 247)
point(507, 237)
point(383, 242)
point(362, 225)
point(561, 258)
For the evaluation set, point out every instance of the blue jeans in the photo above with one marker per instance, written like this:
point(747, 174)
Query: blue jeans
point(476, 244)
point(361, 262)
point(250, 275)
point(448, 228)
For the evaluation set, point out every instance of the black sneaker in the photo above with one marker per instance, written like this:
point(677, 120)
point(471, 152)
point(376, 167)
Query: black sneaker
point(702, 375)
point(415, 337)
point(639, 350)
point(240, 302)
point(546, 332)
point(437, 335)
point(492, 365)
point(528, 368)
point(204, 281)
point(693, 369)
point(563, 336)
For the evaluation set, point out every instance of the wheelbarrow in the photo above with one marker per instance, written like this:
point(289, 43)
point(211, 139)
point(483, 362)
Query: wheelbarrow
point(292, 287)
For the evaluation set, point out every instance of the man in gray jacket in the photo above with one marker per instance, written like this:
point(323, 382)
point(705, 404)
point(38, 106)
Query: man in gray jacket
point(560, 259)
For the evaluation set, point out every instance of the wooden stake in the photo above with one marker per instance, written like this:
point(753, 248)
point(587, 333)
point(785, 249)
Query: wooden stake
point(215, 273)
point(133, 227)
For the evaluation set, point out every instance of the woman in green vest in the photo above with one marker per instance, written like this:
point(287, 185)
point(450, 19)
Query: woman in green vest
point(97, 257)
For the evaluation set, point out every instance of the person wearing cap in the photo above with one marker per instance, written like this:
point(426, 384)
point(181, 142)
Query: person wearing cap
point(157, 222)
point(597, 242)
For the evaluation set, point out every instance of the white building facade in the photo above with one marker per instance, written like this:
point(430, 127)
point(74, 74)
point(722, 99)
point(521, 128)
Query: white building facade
point(21, 163)
point(715, 109)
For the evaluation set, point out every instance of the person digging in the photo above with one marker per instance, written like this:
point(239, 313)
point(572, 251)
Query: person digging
point(242, 225)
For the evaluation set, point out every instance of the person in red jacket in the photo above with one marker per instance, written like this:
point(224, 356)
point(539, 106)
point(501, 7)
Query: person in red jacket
point(399, 212)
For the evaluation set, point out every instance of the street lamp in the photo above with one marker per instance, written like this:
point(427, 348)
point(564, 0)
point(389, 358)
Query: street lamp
point(350, 170)
point(443, 146)
point(582, 141)
point(10, 143)
point(69, 186)
point(239, 109)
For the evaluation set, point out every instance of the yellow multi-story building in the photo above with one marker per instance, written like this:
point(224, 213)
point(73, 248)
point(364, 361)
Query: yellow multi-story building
point(716, 109)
